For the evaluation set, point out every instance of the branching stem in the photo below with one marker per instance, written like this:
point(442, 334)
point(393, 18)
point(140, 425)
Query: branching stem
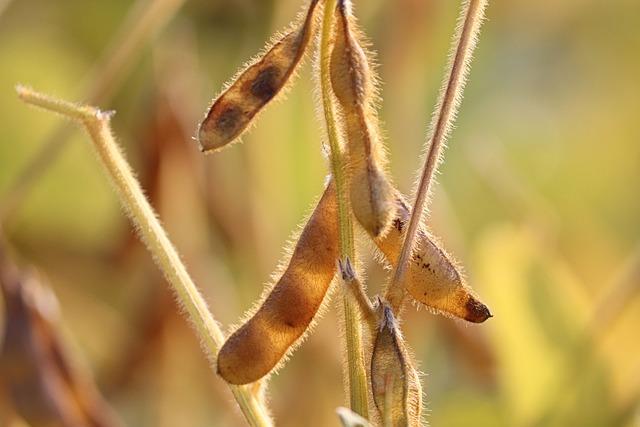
point(143, 22)
point(142, 215)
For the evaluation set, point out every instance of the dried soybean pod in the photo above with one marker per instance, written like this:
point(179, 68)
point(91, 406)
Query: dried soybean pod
point(353, 83)
point(254, 349)
point(432, 278)
point(233, 111)
point(394, 385)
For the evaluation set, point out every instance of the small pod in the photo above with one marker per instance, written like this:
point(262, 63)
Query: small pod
point(352, 80)
point(432, 278)
point(233, 111)
point(394, 381)
point(254, 349)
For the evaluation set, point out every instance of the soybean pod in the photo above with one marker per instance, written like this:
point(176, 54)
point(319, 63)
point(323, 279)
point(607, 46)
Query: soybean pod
point(432, 277)
point(353, 83)
point(233, 111)
point(287, 311)
point(394, 381)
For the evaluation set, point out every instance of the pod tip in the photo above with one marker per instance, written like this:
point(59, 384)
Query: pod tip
point(477, 312)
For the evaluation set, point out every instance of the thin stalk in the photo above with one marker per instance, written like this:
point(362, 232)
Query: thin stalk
point(142, 215)
point(337, 154)
point(353, 284)
point(144, 21)
point(450, 97)
point(358, 386)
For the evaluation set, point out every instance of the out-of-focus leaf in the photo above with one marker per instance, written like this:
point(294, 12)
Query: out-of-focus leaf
point(46, 386)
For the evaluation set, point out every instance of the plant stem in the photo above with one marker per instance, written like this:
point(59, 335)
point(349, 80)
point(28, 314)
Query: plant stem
point(337, 155)
point(151, 232)
point(367, 310)
point(450, 97)
point(358, 390)
point(145, 20)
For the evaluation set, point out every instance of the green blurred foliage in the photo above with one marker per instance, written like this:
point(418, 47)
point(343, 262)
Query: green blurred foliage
point(539, 197)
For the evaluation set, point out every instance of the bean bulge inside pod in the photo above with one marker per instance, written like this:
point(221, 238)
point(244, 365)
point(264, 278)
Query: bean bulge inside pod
point(257, 346)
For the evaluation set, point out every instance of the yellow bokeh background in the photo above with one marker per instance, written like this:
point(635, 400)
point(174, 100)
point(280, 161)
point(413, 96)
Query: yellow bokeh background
point(538, 197)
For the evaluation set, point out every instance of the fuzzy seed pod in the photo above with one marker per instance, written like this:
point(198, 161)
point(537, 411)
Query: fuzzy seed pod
point(432, 278)
point(394, 382)
point(233, 111)
point(352, 80)
point(254, 349)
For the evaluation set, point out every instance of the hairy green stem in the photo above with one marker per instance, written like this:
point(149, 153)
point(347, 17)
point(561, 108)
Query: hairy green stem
point(142, 215)
point(450, 97)
point(358, 386)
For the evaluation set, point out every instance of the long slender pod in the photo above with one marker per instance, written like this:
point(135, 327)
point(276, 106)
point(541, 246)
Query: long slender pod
point(433, 277)
point(234, 110)
point(259, 345)
point(353, 82)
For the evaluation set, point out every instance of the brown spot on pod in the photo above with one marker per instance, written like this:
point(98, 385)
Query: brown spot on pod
point(234, 110)
point(265, 86)
point(432, 277)
point(257, 347)
point(228, 118)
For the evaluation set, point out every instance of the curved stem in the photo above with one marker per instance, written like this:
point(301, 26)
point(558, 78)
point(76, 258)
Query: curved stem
point(143, 22)
point(152, 234)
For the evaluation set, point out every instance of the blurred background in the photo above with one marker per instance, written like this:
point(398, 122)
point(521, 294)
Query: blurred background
point(539, 199)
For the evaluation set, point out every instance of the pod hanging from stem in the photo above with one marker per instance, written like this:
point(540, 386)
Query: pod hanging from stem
point(394, 382)
point(234, 110)
point(284, 316)
point(353, 82)
point(432, 277)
